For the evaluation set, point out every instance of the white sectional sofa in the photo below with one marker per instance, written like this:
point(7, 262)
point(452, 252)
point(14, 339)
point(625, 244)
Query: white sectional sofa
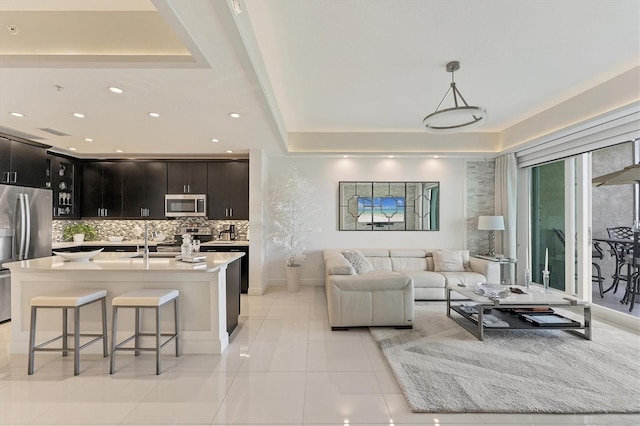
point(381, 291)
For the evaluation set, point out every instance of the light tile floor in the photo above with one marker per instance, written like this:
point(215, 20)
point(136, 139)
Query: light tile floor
point(283, 367)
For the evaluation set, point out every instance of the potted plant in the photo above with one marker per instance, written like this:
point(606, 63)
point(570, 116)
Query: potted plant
point(294, 208)
point(79, 232)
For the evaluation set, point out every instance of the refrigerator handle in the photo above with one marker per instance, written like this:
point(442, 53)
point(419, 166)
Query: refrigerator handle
point(22, 230)
point(27, 214)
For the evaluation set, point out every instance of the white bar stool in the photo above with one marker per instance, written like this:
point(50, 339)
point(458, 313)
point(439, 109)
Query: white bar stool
point(141, 299)
point(65, 300)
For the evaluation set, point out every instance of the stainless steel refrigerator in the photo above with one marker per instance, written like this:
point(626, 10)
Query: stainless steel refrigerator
point(25, 232)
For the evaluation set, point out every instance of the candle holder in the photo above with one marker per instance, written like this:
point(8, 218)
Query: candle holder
point(527, 279)
point(545, 281)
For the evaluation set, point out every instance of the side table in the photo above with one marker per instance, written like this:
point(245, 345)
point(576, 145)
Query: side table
point(505, 263)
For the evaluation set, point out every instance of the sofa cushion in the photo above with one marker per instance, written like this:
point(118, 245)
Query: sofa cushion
point(469, 279)
point(401, 264)
point(358, 261)
point(336, 264)
point(426, 279)
point(448, 261)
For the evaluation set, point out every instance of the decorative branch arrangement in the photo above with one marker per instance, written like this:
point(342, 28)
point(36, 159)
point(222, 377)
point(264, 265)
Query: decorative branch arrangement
point(294, 212)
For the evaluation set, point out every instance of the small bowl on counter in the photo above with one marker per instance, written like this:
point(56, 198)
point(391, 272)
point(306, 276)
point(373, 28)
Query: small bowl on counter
point(160, 237)
point(116, 239)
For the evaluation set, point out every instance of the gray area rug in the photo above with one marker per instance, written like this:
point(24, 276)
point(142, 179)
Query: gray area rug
point(442, 368)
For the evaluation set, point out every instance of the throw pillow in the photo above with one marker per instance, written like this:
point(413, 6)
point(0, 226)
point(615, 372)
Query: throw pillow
point(358, 261)
point(448, 261)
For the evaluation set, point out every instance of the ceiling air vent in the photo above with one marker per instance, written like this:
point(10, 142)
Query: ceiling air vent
point(54, 131)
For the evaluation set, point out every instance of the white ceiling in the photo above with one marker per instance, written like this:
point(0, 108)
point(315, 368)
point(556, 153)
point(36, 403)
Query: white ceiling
point(290, 66)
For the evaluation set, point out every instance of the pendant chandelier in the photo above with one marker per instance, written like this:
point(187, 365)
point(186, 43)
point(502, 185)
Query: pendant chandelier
point(457, 118)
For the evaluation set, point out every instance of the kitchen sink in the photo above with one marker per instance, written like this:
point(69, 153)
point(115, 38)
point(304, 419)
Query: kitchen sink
point(219, 243)
point(157, 255)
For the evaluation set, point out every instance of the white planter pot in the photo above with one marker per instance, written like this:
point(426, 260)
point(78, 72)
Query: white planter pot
point(78, 238)
point(293, 277)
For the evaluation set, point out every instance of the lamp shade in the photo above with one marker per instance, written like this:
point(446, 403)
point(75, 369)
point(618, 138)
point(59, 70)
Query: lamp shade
point(491, 223)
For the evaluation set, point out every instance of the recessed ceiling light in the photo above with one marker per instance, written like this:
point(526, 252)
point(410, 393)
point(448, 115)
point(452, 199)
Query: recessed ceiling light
point(17, 114)
point(436, 156)
point(215, 140)
point(229, 151)
point(119, 150)
point(234, 115)
point(391, 156)
point(72, 148)
point(345, 156)
point(88, 139)
point(154, 114)
point(78, 115)
point(115, 89)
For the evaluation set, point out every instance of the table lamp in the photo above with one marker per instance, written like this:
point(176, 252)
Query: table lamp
point(491, 224)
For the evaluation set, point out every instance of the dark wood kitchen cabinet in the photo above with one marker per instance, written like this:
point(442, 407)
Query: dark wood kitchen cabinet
point(144, 187)
point(102, 189)
point(228, 190)
point(187, 177)
point(244, 261)
point(23, 164)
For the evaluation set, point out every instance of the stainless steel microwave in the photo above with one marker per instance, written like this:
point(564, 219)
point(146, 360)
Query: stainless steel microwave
point(184, 205)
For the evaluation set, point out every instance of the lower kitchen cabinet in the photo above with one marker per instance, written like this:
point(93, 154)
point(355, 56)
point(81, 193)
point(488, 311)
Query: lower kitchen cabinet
point(233, 295)
point(244, 262)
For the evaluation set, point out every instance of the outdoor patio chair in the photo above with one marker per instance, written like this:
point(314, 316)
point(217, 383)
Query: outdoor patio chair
point(596, 253)
point(633, 286)
point(619, 251)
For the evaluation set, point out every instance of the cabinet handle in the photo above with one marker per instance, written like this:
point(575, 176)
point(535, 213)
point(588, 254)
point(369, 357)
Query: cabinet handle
point(231, 212)
point(15, 177)
point(188, 189)
point(5, 177)
point(184, 189)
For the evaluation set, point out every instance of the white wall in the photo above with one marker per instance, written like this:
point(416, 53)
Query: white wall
point(325, 173)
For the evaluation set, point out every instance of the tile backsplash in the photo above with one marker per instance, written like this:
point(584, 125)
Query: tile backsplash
point(108, 228)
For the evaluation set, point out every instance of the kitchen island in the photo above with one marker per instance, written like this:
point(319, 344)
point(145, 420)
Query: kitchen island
point(209, 294)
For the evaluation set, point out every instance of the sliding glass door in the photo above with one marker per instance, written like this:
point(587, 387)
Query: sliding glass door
point(548, 222)
point(560, 222)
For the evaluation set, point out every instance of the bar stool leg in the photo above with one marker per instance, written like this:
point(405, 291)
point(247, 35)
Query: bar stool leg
point(105, 352)
point(65, 336)
point(114, 325)
point(175, 312)
point(158, 332)
point(32, 339)
point(76, 341)
point(137, 331)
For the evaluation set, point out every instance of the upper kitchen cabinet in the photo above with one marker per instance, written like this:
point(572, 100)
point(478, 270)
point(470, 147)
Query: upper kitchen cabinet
point(144, 187)
point(228, 183)
point(102, 189)
point(187, 178)
point(22, 163)
point(62, 181)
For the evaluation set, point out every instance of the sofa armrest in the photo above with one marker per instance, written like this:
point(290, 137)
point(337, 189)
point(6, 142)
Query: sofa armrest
point(376, 281)
point(490, 270)
point(337, 264)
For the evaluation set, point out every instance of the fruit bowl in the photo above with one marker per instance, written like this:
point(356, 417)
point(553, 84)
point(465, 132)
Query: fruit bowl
point(116, 239)
point(79, 256)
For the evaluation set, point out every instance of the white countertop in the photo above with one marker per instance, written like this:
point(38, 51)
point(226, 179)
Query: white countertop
point(124, 262)
point(70, 244)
